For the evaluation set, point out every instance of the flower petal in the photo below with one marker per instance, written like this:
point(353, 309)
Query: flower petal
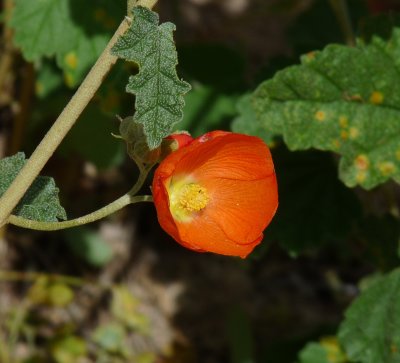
point(242, 209)
point(206, 234)
point(232, 156)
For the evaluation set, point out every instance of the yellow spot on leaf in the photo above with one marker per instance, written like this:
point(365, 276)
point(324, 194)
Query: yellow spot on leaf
point(344, 135)
point(320, 116)
point(354, 132)
point(386, 168)
point(310, 56)
point(376, 98)
point(71, 60)
point(361, 162)
point(393, 348)
point(333, 350)
point(361, 176)
point(398, 154)
point(343, 121)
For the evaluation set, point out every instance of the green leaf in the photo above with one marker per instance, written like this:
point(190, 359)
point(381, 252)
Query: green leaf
point(95, 25)
point(246, 121)
point(43, 27)
point(43, 291)
point(314, 206)
point(110, 337)
point(370, 332)
point(89, 245)
point(69, 29)
point(40, 202)
point(159, 92)
point(326, 351)
point(48, 80)
point(69, 349)
point(343, 99)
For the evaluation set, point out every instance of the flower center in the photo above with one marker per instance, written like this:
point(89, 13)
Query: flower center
point(186, 199)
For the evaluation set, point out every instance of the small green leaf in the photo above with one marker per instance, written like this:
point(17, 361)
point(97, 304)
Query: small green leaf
point(40, 202)
point(342, 99)
point(43, 291)
point(89, 245)
point(69, 349)
point(370, 332)
point(110, 337)
point(159, 92)
point(60, 295)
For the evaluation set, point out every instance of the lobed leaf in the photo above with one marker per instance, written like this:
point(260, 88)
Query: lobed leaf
point(43, 27)
point(40, 203)
point(159, 92)
point(342, 99)
point(70, 30)
point(370, 332)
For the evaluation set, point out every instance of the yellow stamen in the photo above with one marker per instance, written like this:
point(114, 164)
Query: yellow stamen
point(186, 199)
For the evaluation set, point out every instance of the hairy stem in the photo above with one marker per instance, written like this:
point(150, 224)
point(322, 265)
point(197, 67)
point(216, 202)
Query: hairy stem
point(60, 128)
point(146, 3)
point(91, 217)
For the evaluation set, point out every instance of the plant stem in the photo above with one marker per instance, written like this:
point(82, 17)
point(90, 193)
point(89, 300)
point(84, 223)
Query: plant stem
point(341, 10)
point(91, 217)
point(130, 4)
point(60, 128)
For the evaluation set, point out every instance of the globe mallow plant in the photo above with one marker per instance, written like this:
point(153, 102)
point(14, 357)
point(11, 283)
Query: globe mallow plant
point(215, 193)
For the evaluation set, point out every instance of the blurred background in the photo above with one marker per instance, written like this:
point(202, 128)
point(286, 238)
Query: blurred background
point(120, 290)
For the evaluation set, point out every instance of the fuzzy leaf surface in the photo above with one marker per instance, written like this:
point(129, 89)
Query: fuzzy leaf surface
point(342, 99)
point(370, 332)
point(40, 203)
point(159, 92)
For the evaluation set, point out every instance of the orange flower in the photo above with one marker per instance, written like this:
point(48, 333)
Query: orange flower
point(217, 194)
